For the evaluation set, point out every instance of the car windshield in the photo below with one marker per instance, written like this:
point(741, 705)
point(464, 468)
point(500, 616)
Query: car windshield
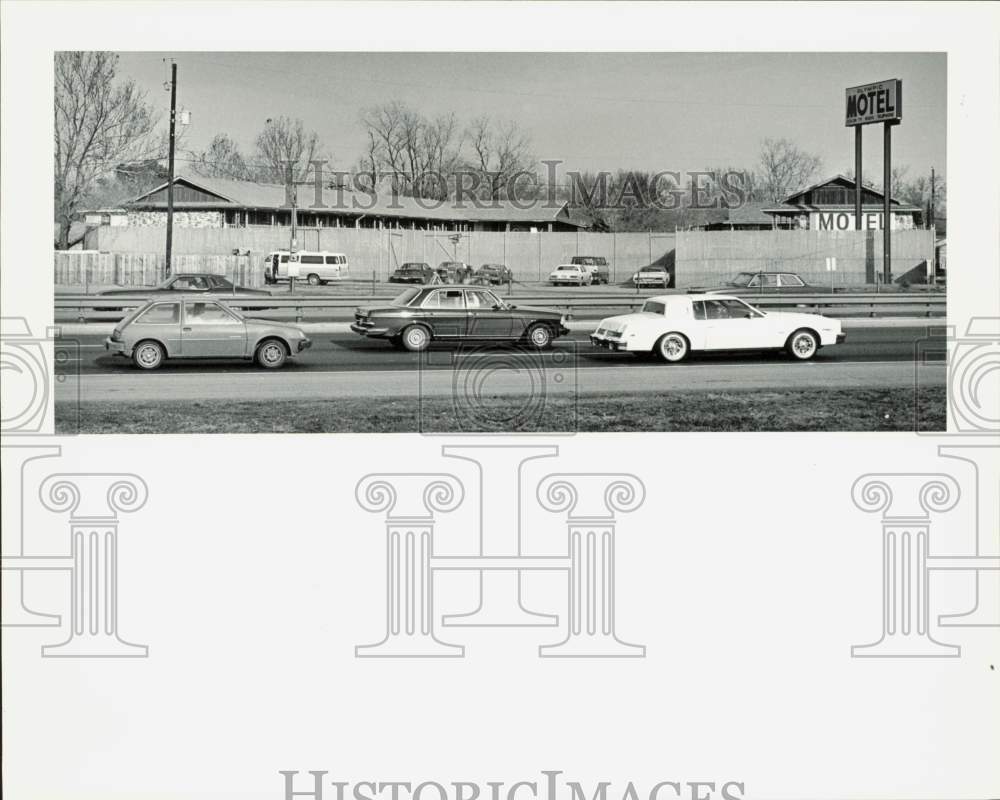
point(405, 298)
point(742, 279)
point(654, 307)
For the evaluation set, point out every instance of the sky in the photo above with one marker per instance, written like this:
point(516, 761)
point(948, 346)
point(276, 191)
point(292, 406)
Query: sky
point(592, 111)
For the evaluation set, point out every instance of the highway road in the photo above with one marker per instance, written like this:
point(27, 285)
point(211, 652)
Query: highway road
point(345, 365)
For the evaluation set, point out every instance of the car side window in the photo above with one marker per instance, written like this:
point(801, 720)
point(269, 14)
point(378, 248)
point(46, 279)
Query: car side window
point(734, 309)
point(207, 314)
point(792, 280)
point(480, 300)
point(717, 309)
point(448, 298)
point(770, 281)
point(331, 259)
point(754, 282)
point(161, 314)
point(698, 309)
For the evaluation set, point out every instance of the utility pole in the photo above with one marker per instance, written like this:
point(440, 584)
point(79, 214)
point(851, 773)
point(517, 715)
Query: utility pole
point(170, 166)
point(293, 244)
point(930, 211)
point(886, 204)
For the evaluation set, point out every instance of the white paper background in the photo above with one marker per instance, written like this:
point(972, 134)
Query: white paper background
point(748, 574)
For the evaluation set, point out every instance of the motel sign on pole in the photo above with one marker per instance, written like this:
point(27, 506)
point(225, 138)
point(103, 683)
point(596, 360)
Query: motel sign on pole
point(868, 104)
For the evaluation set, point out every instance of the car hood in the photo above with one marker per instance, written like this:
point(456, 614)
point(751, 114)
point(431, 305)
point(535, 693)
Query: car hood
point(270, 324)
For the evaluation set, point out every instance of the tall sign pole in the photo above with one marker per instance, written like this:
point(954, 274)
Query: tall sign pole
point(868, 104)
point(886, 204)
point(857, 178)
point(170, 167)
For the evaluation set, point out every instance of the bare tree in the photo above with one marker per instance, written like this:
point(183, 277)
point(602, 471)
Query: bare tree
point(285, 142)
point(99, 122)
point(502, 151)
point(222, 159)
point(420, 154)
point(784, 167)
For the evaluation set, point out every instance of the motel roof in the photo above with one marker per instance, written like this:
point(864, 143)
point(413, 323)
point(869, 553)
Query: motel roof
point(222, 193)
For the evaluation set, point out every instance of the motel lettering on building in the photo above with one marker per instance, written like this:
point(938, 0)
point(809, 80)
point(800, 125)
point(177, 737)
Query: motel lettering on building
point(830, 206)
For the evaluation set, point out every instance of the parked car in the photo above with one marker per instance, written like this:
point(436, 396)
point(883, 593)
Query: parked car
point(672, 326)
point(195, 326)
point(570, 274)
point(413, 272)
point(313, 266)
point(652, 276)
point(189, 282)
point(764, 283)
point(457, 313)
point(494, 274)
point(598, 266)
point(453, 271)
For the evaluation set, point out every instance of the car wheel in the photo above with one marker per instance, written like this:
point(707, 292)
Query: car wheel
point(313, 279)
point(416, 338)
point(271, 354)
point(148, 355)
point(802, 345)
point(539, 336)
point(672, 347)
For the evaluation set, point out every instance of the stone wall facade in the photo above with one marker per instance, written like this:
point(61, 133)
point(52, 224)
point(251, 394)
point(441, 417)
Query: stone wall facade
point(182, 219)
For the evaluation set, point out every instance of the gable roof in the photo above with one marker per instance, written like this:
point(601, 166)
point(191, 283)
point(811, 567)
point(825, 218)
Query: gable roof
point(797, 198)
point(269, 196)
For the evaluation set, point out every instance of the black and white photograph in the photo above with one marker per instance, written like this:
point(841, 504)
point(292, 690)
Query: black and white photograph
point(487, 242)
point(499, 400)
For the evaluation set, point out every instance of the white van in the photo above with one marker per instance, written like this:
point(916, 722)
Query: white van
point(312, 266)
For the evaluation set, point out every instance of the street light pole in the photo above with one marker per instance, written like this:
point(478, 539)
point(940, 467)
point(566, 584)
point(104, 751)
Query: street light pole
point(170, 167)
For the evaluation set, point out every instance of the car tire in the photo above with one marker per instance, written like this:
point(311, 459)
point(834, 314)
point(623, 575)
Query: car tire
point(539, 336)
point(672, 347)
point(271, 354)
point(148, 355)
point(416, 338)
point(313, 279)
point(803, 344)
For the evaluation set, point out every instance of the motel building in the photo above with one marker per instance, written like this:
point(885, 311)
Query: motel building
point(829, 206)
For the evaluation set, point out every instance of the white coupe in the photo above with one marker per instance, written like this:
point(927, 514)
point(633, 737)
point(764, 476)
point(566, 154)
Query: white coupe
point(671, 326)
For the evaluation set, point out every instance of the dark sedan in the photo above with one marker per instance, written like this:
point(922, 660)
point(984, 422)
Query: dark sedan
point(414, 272)
point(457, 313)
point(189, 283)
point(750, 283)
point(494, 274)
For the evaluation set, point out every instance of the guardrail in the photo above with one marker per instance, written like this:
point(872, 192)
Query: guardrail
point(89, 308)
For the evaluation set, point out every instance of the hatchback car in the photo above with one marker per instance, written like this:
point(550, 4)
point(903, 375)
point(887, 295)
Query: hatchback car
point(201, 327)
point(457, 313)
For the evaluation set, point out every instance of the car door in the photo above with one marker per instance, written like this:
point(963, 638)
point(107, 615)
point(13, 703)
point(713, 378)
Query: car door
point(444, 311)
point(161, 321)
point(732, 325)
point(211, 331)
point(489, 318)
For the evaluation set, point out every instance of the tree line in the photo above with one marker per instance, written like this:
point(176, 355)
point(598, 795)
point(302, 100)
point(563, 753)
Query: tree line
point(111, 145)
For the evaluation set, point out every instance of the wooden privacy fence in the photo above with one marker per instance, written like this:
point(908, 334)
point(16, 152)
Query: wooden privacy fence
point(696, 258)
point(707, 257)
point(87, 268)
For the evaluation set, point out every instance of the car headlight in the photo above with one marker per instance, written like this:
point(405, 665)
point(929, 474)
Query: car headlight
point(116, 335)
